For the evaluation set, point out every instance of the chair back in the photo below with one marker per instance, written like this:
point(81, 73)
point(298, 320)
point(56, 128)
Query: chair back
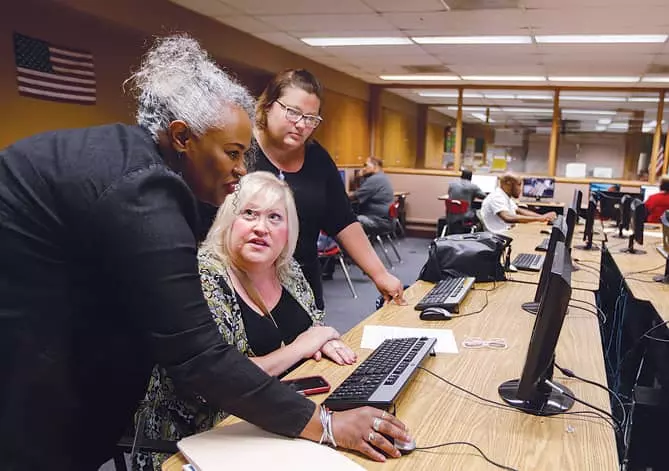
point(394, 210)
point(454, 207)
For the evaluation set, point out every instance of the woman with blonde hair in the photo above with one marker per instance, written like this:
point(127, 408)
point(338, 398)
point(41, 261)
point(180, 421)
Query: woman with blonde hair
point(259, 299)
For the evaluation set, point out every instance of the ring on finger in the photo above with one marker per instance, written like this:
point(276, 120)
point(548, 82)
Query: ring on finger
point(371, 437)
point(377, 423)
point(383, 416)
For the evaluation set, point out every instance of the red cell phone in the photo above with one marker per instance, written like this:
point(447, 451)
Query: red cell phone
point(308, 385)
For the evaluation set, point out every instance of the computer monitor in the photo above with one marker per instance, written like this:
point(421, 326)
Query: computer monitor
point(342, 175)
point(589, 226)
point(558, 234)
point(609, 203)
point(624, 215)
point(570, 221)
point(532, 393)
point(596, 187)
point(647, 191)
point(538, 188)
point(576, 202)
point(664, 250)
point(637, 219)
point(487, 183)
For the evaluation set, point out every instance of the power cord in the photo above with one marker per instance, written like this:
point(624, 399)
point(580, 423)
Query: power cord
point(644, 271)
point(496, 404)
point(601, 313)
point(595, 313)
point(570, 374)
point(485, 304)
point(500, 466)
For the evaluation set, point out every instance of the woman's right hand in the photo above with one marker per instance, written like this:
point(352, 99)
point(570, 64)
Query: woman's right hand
point(311, 340)
point(354, 428)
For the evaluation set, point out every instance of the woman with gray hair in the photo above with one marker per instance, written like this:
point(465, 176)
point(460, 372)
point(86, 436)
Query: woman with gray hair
point(99, 278)
point(259, 299)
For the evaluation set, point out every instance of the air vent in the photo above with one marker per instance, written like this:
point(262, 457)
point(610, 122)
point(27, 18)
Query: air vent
point(460, 5)
point(427, 69)
point(658, 69)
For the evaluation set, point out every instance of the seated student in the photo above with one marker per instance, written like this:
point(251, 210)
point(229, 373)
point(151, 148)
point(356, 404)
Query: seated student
point(499, 210)
point(465, 190)
point(374, 197)
point(658, 203)
point(259, 299)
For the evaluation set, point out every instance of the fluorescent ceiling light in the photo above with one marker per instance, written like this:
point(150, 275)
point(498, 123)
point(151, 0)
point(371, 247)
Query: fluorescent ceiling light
point(327, 42)
point(600, 128)
point(605, 121)
point(527, 110)
point(655, 79)
point(592, 98)
point(468, 108)
point(472, 39)
point(449, 95)
point(504, 78)
point(499, 96)
point(643, 99)
point(620, 126)
point(601, 38)
point(593, 112)
point(482, 117)
point(534, 97)
point(419, 78)
point(593, 79)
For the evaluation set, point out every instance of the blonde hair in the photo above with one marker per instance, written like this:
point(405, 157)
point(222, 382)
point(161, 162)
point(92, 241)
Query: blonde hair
point(265, 190)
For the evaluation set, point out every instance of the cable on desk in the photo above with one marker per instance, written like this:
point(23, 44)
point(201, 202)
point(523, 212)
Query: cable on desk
point(569, 373)
point(522, 282)
point(585, 403)
point(601, 313)
point(614, 424)
point(500, 466)
point(640, 280)
point(652, 329)
point(645, 271)
point(478, 311)
point(595, 313)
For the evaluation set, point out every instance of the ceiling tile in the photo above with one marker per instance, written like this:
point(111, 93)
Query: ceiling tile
point(508, 69)
point(460, 22)
point(627, 51)
point(416, 6)
point(333, 23)
point(298, 7)
point(563, 4)
point(207, 7)
point(614, 20)
point(414, 59)
point(376, 51)
point(248, 24)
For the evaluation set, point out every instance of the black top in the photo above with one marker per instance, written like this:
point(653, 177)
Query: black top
point(263, 336)
point(98, 282)
point(322, 204)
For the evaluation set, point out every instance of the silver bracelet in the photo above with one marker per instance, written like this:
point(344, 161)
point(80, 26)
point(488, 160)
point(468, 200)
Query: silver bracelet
point(327, 436)
point(330, 432)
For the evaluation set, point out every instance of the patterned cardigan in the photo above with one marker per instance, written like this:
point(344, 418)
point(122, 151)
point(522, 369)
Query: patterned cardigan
point(168, 417)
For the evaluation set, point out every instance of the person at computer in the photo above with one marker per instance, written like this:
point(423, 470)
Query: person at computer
point(499, 210)
point(99, 277)
point(288, 112)
point(374, 197)
point(658, 203)
point(258, 298)
point(465, 190)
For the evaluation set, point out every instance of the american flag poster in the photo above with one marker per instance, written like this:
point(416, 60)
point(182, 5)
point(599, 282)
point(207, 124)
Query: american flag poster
point(51, 72)
point(659, 166)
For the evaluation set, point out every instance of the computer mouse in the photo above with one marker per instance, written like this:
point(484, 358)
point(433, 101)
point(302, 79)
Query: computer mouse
point(405, 447)
point(544, 231)
point(435, 314)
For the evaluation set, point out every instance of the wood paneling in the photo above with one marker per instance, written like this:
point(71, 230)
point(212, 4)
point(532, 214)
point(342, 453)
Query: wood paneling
point(398, 145)
point(345, 128)
point(434, 145)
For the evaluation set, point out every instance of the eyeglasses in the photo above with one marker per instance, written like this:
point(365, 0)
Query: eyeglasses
point(294, 116)
point(475, 342)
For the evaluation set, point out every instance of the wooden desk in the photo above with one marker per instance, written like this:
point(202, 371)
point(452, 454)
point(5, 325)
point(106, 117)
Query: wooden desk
point(641, 285)
point(437, 413)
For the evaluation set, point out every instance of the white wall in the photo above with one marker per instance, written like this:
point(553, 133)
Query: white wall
point(596, 150)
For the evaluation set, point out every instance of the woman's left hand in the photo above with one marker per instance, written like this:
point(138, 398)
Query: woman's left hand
point(391, 288)
point(339, 352)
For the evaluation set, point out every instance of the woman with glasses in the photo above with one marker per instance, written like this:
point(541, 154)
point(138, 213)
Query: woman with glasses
point(287, 114)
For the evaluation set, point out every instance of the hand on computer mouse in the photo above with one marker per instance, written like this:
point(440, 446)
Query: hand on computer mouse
point(373, 425)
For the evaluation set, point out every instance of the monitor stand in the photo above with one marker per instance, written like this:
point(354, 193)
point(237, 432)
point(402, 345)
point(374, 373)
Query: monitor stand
point(630, 248)
point(663, 278)
point(551, 401)
point(588, 246)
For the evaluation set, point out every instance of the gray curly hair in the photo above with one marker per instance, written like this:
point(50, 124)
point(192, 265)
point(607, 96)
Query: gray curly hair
point(178, 80)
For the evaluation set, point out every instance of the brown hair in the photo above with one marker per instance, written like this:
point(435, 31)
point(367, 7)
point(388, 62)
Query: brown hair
point(376, 161)
point(298, 78)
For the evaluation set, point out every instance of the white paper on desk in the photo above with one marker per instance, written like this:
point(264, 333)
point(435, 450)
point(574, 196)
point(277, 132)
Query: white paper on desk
point(245, 446)
point(373, 335)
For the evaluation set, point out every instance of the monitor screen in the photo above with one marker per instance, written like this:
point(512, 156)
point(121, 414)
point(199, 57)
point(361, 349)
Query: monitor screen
point(538, 187)
point(487, 183)
point(595, 187)
point(342, 175)
point(647, 191)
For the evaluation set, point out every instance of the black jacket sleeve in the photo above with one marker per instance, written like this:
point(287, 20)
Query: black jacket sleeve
point(143, 226)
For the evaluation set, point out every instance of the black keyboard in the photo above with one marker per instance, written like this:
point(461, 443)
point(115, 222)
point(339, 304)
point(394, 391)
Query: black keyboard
point(382, 376)
point(528, 262)
point(543, 245)
point(447, 293)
